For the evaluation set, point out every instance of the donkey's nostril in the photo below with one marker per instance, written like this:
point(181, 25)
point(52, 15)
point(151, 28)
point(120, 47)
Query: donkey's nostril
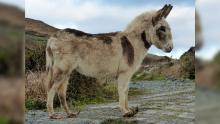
point(169, 49)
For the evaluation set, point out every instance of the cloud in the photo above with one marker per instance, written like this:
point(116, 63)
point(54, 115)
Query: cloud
point(182, 21)
point(60, 26)
point(96, 17)
point(68, 10)
point(208, 10)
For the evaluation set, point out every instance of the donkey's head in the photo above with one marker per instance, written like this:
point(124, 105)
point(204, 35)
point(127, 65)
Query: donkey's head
point(161, 35)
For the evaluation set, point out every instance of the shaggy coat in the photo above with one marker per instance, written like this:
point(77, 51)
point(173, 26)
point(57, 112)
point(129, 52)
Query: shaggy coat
point(112, 56)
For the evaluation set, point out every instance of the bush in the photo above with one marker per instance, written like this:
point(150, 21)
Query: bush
point(32, 104)
point(81, 90)
point(35, 55)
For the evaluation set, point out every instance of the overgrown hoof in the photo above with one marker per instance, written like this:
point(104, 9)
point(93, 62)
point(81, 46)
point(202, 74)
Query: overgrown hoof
point(56, 116)
point(131, 113)
point(72, 115)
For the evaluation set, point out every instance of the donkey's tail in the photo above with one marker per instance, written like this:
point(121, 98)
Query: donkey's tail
point(49, 67)
point(49, 58)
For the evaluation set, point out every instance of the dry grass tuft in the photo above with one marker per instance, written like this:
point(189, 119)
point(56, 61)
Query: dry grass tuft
point(34, 86)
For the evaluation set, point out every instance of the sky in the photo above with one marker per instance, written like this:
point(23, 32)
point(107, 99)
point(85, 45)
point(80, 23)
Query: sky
point(100, 16)
point(209, 14)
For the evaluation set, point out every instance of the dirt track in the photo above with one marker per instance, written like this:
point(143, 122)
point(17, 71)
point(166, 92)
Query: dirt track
point(163, 102)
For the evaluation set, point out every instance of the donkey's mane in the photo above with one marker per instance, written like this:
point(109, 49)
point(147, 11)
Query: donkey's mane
point(105, 37)
point(139, 20)
point(81, 33)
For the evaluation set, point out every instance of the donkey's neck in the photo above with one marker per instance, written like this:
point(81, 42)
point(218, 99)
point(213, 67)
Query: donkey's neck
point(139, 43)
point(140, 26)
point(141, 38)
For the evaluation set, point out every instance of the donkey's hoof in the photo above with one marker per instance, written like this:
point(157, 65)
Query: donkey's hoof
point(72, 115)
point(135, 110)
point(56, 116)
point(131, 113)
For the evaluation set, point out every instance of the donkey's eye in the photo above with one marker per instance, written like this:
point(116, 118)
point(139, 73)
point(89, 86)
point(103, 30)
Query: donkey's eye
point(161, 33)
point(162, 28)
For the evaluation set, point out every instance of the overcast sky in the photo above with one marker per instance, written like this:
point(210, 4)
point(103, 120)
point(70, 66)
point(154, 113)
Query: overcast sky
point(209, 12)
point(99, 16)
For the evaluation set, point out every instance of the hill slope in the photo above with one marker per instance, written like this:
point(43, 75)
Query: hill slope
point(39, 27)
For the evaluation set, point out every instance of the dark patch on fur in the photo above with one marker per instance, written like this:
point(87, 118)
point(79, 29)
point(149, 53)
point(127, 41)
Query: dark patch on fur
point(81, 33)
point(128, 50)
point(147, 45)
point(77, 32)
point(105, 37)
point(106, 34)
point(49, 52)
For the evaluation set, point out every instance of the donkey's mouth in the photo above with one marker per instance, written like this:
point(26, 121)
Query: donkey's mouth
point(168, 50)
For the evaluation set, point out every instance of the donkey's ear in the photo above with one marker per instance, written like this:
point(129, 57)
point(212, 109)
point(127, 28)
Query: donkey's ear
point(164, 12)
point(170, 7)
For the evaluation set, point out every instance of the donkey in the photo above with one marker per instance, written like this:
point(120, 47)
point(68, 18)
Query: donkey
point(114, 55)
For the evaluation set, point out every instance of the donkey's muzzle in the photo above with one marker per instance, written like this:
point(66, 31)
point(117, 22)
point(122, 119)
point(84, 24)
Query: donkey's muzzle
point(169, 49)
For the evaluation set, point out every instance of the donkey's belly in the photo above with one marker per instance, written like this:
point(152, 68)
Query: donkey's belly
point(97, 71)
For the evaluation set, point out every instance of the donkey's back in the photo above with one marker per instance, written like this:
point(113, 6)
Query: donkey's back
point(95, 55)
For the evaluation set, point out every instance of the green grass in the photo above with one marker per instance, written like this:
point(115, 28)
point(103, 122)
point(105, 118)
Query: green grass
point(160, 77)
point(135, 92)
point(31, 104)
point(4, 120)
point(35, 39)
point(141, 76)
point(108, 94)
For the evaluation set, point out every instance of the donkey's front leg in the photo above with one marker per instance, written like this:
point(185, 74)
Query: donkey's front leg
point(123, 88)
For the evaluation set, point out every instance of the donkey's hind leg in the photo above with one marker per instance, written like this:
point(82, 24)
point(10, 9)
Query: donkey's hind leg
point(62, 96)
point(60, 76)
point(57, 78)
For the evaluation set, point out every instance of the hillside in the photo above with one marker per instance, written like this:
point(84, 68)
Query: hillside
point(153, 59)
point(162, 67)
point(39, 27)
point(11, 15)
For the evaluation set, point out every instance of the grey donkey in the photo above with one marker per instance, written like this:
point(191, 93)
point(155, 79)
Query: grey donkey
point(115, 56)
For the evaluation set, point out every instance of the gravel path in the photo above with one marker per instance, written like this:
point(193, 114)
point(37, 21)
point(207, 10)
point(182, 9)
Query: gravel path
point(164, 102)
